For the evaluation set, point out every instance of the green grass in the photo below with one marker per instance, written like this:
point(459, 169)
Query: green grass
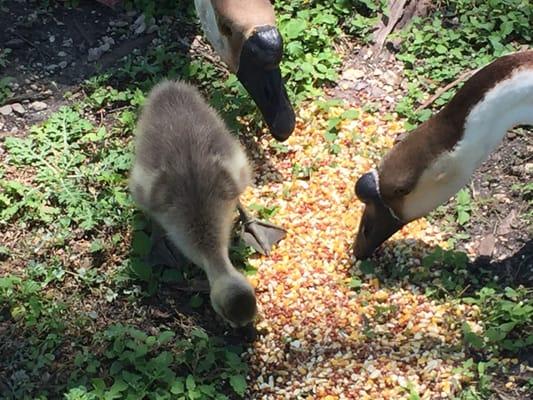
point(79, 181)
point(461, 35)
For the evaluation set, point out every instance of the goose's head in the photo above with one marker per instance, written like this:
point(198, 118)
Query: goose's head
point(414, 177)
point(379, 221)
point(245, 36)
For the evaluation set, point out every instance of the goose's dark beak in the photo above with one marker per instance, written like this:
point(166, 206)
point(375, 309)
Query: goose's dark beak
point(377, 225)
point(260, 74)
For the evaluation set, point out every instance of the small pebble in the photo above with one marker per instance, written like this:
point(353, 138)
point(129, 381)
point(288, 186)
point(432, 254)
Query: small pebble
point(18, 109)
point(38, 106)
point(6, 110)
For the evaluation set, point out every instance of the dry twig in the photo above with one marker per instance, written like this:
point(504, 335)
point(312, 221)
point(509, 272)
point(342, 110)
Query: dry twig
point(463, 77)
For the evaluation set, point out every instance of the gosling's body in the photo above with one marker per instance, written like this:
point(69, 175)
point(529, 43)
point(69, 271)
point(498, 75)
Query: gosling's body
point(188, 174)
point(439, 157)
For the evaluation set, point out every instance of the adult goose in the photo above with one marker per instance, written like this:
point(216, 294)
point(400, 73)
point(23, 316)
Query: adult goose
point(435, 160)
point(187, 176)
point(244, 35)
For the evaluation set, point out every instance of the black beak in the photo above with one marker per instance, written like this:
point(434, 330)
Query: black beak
point(377, 225)
point(260, 74)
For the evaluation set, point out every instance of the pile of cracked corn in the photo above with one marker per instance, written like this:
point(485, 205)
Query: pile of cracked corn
point(319, 338)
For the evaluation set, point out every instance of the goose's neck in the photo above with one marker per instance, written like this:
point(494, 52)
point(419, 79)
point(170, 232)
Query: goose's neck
point(508, 104)
point(207, 15)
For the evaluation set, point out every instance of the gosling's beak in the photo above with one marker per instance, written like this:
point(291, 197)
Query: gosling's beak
point(260, 74)
point(377, 225)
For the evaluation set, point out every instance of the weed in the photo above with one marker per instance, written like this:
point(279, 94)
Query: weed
point(154, 8)
point(4, 53)
point(507, 316)
point(478, 373)
point(264, 212)
point(79, 180)
point(525, 190)
point(5, 90)
point(459, 36)
point(464, 206)
point(309, 60)
point(134, 364)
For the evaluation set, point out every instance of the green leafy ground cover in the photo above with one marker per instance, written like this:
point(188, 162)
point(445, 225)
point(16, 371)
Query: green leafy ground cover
point(63, 186)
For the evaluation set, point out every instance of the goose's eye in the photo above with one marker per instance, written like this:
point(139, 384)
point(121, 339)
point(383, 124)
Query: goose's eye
point(225, 29)
point(400, 192)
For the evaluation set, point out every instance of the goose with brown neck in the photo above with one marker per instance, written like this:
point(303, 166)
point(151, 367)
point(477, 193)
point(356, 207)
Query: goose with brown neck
point(244, 35)
point(439, 157)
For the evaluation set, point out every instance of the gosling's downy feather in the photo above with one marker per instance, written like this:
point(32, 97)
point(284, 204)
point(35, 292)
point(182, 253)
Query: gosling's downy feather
point(188, 174)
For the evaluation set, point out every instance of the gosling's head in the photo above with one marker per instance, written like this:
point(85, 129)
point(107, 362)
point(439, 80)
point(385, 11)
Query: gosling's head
point(233, 298)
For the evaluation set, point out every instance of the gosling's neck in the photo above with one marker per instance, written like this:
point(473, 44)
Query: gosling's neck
point(217, 265)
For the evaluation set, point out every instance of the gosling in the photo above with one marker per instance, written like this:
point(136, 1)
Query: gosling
point(188, 174)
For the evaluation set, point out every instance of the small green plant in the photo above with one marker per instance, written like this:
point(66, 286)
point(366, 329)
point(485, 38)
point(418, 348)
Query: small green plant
point(34, 331)
point(155, 8)
point(479, 374)
point(136, 365)
point(460, 35)
point(361, 16)
point(464, 206)
point(80, 175)
point(508, 319)
point(264, 212)
point(21, 299)
point(5, 90)
point(4, 53)
point(309, 60)
point(525, 190)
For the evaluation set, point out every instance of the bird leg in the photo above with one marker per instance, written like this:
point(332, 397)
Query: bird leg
point(259, 234)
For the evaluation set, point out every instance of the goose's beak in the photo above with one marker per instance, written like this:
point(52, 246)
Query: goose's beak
point(260, 74)
point(377, 225)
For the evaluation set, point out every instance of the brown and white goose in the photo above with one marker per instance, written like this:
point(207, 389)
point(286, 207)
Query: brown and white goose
point(438, 158)
point(245, 36)
point(187, 175)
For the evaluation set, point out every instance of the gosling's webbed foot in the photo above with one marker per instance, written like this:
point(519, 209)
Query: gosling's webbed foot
point(261, 235)
point(162, 251)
